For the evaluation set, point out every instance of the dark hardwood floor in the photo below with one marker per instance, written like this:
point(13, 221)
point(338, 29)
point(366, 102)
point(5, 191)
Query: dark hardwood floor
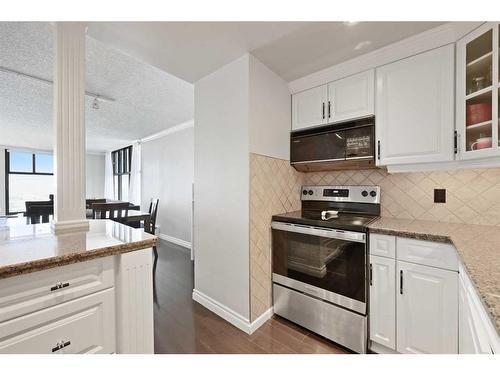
point(184, 326)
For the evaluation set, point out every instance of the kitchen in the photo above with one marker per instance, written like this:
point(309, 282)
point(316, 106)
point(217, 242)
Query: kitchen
point(365, 191)
point(405, 141)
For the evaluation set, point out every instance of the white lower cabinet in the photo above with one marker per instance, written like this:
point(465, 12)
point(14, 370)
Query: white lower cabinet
point(84, 325)
point(422, 301)
point(383, 301)
point(427, 309)
point(477, 335)
point(99, 306)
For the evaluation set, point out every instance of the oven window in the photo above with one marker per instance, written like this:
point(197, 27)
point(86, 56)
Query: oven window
point(334, 265)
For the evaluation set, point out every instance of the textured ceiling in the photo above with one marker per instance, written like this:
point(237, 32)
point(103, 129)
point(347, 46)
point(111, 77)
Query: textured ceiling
point(191, 50)
point(148, 100)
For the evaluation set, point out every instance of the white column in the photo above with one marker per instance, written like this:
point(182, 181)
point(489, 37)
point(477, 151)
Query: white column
point(69, 126)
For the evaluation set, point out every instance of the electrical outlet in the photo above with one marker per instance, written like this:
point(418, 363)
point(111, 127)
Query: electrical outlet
point(439, 195)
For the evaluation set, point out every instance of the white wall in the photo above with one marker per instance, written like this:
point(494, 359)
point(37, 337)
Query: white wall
point(241, 108)
point(94, 176)
point(270, 112)
point(221, 216)
point(167, 174)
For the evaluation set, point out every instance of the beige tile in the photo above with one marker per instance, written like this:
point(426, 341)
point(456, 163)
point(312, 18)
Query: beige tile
point(473, 196)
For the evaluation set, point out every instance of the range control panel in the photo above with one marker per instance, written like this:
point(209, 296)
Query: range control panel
point(358, 194)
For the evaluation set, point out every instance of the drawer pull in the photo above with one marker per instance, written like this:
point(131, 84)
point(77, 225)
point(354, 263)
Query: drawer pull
point(60, 345)
point(58, 286)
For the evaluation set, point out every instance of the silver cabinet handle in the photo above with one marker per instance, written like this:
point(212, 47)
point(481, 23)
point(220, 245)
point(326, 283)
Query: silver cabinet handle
point(60, 345)
point(329, 110)
point(323, 110)
point(59, 285)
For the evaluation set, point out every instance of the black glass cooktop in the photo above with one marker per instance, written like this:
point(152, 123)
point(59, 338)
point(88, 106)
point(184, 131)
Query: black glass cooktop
point(345, 221)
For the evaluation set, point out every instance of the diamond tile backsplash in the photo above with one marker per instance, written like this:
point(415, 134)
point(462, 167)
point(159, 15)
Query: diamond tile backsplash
point(472, 196)
point(274, 189)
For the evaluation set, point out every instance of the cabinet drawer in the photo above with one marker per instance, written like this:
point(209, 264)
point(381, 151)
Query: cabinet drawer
point(428, 253)
point(24, 294)
point(85, 325)
point(383, 245)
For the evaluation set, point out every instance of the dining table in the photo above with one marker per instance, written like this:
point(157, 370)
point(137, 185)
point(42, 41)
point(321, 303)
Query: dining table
point(132, 218)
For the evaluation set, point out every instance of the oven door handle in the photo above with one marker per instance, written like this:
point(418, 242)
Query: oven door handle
point(321, 232)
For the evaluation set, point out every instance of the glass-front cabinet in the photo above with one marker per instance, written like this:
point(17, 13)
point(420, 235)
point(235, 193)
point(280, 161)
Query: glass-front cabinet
point(478, 72)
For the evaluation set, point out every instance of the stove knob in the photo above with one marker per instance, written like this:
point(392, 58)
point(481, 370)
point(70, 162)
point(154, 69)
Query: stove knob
point(373, 193)
point(304, 192)
point(364, 193)
point(310, 192)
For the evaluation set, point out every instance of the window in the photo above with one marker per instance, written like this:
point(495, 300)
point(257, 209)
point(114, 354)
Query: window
point(29, 177)
point(121, 170)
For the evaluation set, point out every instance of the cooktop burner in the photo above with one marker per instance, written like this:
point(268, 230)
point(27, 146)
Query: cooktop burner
point(357, 207)
point(347, 221)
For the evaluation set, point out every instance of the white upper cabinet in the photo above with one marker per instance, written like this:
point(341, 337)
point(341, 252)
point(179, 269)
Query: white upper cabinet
point(351, 97)
point(415, 108)
point(478, 96)
point(427, 309)
point(341, 100)
point(309, 108)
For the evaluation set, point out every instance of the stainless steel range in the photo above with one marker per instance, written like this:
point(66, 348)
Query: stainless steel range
point(320, 262)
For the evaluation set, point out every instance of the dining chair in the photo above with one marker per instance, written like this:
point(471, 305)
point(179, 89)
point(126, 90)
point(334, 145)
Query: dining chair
point(150, 227)
point(37, 213)
point(112, 211)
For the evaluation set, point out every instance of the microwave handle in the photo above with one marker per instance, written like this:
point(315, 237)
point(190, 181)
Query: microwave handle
point(321, 232)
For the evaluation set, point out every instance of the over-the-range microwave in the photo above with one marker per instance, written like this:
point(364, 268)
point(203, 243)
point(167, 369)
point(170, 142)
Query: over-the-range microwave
point(346, 145)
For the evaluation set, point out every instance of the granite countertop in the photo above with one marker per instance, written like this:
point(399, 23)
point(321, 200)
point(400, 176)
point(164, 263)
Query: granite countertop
point(477, 245)
point(29, 248)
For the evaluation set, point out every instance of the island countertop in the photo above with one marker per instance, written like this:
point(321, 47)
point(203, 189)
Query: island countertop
point(477, 245)
point(29, 248)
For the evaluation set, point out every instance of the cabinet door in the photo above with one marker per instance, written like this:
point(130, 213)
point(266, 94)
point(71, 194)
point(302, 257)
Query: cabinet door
point(309, 108)
point(469, 337)
point(383, 301)
point(414, 109)
point(427, 309)
point(351, 97)
point(477, 334)
point(478, 85)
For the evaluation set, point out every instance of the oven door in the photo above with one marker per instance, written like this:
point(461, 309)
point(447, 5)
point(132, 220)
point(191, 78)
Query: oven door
point(325, 263)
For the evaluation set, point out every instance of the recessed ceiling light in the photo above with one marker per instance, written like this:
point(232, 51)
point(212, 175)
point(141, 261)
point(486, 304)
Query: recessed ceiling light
point(363, 44)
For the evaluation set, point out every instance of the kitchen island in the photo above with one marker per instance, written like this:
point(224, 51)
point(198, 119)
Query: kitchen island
point(76, 292)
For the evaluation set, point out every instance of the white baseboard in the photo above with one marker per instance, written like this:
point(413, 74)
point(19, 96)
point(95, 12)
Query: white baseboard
point(255, 325)
point(223, 311)
point(175, 240)
point(230, 315)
